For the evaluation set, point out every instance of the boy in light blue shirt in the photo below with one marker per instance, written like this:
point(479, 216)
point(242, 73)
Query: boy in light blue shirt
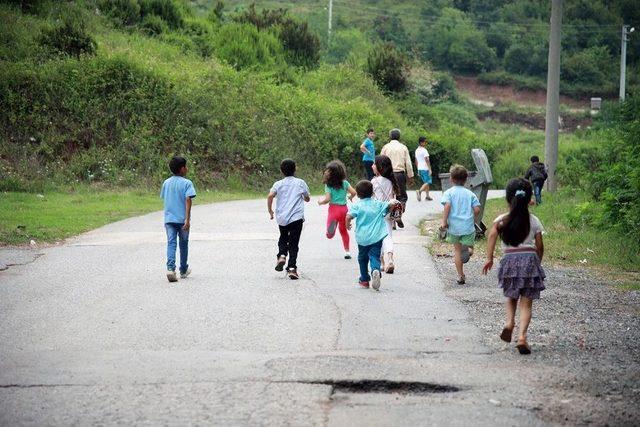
point(177, 192)
point(461, 207)
point(371, 230)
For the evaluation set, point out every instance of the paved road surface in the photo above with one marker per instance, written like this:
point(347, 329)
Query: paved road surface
point(92, 333)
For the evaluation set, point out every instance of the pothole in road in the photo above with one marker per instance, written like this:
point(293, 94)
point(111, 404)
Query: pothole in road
point(385, 386)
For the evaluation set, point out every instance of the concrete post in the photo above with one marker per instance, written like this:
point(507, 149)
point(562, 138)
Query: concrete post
point(553, 95)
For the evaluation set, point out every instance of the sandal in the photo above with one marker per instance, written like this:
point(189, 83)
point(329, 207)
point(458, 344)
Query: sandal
point(523, 347)
point(461, 281)
point(506, 334)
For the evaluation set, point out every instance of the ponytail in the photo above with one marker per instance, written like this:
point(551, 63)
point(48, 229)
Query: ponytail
point(517, 224)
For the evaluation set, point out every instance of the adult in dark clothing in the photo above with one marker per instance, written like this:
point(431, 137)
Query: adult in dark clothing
point(537, 174)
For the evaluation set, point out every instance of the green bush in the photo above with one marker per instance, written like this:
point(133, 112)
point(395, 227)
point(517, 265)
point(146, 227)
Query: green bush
point(27, 6)
point(168, 10)
point(591, 66)
point(124, 12)
point(388, 67)
point(154, 25)
point(528, 55)
point(243, 46)
point(71, 38)
point(302, 47)
point(346, 44)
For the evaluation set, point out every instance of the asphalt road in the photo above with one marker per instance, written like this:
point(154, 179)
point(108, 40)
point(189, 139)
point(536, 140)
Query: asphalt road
point(91, 332)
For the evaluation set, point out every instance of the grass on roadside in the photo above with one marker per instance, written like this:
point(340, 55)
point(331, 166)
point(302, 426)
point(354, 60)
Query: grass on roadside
point(53, 216)
point(577, 246)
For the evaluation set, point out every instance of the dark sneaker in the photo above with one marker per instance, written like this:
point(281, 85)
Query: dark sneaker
point(363, 284)
point(375, 279)
point(419, 195)
point(185, 274)
point(281, 262)
point(172, 276)
point(400, 223)
point(428, 197)
point(292, 273)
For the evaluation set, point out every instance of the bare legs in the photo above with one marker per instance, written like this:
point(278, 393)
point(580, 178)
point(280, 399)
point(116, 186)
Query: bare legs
point(457, 259)
point(525, 318)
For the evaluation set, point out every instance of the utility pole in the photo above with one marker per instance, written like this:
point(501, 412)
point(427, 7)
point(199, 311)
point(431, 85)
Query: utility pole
point(553, 95)
point(330, 19)
point(623, 59)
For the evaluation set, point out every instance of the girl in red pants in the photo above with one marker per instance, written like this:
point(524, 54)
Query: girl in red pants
point(337, 189)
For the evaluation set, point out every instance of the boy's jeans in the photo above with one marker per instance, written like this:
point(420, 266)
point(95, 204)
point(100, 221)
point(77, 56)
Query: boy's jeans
point(537, 191)
point(175, 231)
point(369, 254)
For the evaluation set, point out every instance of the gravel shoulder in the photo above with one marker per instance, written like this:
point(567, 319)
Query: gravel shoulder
point(585, 337)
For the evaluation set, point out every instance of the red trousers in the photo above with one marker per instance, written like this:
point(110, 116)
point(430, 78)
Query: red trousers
point(338, 214)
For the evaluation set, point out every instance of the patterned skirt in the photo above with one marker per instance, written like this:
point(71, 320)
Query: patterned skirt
point(520, 274)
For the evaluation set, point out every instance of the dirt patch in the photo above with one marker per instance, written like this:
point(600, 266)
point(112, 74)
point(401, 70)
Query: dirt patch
point(501, 94)
point(585, 337)
point(568, 123)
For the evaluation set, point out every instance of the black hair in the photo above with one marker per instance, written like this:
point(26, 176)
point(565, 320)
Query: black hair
point(176, 163)
point(337, 174)
point(458, 174)
point(364, 189)
point(385, 168)
point(516, 225)
point(288, 167)
point(535, 159)
point(422, 139)
point(370, 130)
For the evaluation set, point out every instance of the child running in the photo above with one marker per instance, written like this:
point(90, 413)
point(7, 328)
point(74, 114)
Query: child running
point(337, 188)
point(291, 192)
point(177, 192)
point(461, 207)
point(520, 275)
point(370, 232)
point(385, 189)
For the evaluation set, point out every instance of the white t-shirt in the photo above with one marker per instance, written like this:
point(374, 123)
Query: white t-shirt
point(382, 189)
point(535, 228)
point(421, 156)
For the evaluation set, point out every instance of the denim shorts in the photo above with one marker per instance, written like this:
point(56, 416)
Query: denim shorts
point(425, 176)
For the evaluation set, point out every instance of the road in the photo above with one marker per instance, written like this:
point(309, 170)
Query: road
point(92, 333)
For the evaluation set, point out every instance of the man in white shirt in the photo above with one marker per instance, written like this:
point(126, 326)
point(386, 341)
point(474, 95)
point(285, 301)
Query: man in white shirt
point(424, 168)
point(402, 166)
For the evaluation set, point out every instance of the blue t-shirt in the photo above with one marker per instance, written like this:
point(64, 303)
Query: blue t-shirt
point(174, 192)
point(290, 192)
point(370, 225)
point(462, 202)
point(370, 155)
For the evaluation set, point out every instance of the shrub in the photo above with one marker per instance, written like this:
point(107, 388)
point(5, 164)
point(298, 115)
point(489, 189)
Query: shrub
point(592, 66)
point(124, 12)
point(528, 55)
point(71, 38)
point(168, 10)
point(26, 6)
point(389, 28)
point(388, 67)
point(243, 46)
point(346, 44)
point(153, 25)
point(302, 46)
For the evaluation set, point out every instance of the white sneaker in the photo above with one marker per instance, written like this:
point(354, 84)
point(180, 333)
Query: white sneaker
point(172, 276)
point(185, 274)
point(347, 255)
point(375, 280)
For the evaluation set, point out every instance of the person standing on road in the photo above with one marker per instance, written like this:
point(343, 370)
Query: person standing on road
point(402, 166)
point(177, 192)
point(368, 150)
point(537, 174)
point(292, 192)
point(424, 168)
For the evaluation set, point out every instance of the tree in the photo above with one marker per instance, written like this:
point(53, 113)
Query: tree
point(390, 29)
point(388, 67)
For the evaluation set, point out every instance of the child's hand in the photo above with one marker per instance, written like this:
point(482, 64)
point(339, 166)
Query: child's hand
point(444, 225)
point(271, 214)
point(487, 266)
point(349, 226)
point(187, 225)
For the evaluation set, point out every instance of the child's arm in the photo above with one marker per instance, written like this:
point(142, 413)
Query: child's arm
point(348, 222)
point(491, 247)
point(539, 246)
point(270, 198)
point(445, 215)
point(352, 193)
point(187, 214)
point(326, 199)
point(426, 159)
point(476, 212)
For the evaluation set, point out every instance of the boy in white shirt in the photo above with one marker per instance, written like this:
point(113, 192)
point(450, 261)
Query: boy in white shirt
point(424, 168)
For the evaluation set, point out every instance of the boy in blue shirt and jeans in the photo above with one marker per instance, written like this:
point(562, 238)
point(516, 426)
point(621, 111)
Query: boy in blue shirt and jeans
point(177, 192)
point(371, 229)
point(461, 207)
